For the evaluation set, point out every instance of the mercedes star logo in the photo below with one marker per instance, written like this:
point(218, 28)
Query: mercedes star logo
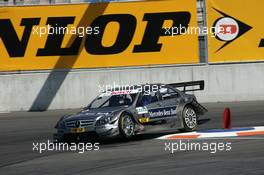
point(77, 123)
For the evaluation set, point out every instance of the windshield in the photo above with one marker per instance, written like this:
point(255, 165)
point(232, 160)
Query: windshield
point(113, 101)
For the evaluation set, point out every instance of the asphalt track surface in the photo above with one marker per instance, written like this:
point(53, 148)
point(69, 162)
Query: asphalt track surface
point(143, 155)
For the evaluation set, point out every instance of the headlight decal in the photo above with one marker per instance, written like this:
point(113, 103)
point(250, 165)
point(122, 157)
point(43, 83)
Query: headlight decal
point(105, 120)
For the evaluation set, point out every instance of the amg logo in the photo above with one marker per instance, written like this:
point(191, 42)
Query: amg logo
point(17, 47)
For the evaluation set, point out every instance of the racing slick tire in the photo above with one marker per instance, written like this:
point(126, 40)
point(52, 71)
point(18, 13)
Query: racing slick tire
point(126, 126)
point(189, 119)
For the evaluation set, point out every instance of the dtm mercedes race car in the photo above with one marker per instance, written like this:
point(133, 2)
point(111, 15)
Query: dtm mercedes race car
point(134, 110)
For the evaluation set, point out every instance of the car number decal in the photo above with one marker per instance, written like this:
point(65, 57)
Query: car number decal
point(144, 120)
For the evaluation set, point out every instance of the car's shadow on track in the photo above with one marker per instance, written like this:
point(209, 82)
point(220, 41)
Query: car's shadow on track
point(139, 137)
point(143, 136)
point(203, 121)
point(136, 138)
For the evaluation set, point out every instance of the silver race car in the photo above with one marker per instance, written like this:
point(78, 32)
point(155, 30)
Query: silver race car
point(135, 109)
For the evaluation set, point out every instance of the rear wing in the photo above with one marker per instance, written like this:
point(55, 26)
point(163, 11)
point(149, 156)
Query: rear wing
point(196, 86)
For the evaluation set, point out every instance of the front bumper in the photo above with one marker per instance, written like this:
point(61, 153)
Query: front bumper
point(104, 131)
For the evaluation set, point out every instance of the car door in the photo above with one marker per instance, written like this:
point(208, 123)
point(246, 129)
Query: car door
point(169, 101)
point(147, 105)
point(158, 106)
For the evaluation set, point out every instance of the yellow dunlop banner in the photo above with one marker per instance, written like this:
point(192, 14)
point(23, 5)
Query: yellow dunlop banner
point(98, 35)
point(239, 30)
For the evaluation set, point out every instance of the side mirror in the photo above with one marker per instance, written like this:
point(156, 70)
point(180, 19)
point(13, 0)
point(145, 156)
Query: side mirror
point(166, 95)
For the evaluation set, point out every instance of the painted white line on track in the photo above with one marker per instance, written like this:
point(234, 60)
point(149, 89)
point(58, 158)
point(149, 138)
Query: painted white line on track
point(218, 133)
point(2, 112)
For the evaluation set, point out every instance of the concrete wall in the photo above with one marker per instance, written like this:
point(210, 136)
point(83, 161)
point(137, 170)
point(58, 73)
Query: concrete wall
point(229, 82)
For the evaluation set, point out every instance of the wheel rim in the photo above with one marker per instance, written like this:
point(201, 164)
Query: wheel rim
point(190, 118)
point(128, 125)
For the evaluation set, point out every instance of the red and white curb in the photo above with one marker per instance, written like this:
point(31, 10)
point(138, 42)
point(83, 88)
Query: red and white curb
point(234, 132)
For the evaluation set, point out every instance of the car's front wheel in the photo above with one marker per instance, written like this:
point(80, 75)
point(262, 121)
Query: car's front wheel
point(189, 118)
point(126, 126)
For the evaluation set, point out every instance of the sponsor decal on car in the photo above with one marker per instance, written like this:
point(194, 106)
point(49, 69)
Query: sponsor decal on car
point(144, 120)
point(142, 110)
point(122, 92)
point(162, 112)
point(77, 130)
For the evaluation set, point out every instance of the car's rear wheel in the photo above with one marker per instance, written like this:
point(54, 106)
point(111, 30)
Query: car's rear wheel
point(189, 118)
point(126, 126)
